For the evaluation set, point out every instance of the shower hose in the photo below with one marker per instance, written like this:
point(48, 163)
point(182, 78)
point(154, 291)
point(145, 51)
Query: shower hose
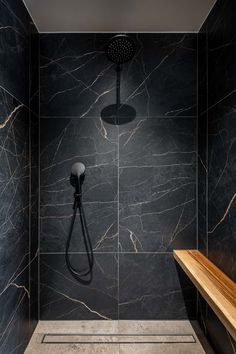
point(83, 276)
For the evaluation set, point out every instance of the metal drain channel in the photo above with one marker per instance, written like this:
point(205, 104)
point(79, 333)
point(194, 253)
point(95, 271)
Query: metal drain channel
point(117, 338)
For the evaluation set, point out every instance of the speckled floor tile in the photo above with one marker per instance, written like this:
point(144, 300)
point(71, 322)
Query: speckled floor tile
point(114, 334)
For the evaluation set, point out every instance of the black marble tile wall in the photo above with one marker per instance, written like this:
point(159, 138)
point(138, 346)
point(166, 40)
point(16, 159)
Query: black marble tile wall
point(157, 183)
point(34, 175)
point(18, 177)
point(63, 142)
point(217, 131)
point(150, 288)
point(78, 80)
point(202, 141)
point(63, 298)
point(140, 186)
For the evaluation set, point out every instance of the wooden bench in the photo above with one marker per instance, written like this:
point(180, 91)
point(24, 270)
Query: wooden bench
point(217, 289)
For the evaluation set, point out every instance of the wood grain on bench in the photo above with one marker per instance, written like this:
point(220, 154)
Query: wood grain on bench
point(216, 288)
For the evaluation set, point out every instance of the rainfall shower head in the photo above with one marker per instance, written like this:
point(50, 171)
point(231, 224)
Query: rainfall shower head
point(120, 49)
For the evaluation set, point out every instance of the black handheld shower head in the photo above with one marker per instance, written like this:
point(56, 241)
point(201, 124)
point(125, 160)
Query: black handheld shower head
point(120, 49)
point(77, 169)
point(84, 275)
point(77, 175)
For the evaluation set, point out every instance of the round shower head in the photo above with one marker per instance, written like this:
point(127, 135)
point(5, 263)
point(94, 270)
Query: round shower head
point(77, 169)
point(120, 49)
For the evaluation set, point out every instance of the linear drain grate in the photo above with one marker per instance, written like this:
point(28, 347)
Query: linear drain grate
point(117, 338)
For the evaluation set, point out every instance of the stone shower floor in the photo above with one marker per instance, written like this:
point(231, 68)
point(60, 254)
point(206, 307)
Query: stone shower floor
point(111, 335)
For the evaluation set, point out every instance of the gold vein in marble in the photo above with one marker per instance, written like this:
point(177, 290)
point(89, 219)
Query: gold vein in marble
point(7, 119)
point(225, 214)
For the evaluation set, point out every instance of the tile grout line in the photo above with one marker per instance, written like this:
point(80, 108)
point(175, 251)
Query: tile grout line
point(112, 252)
point(207, 172)
point(138, 118)
point(39, 181)
point(30, 172)
point(107, 32)
point(118, 222)
point(197, 157)
point(118, 226)
point(197, 166)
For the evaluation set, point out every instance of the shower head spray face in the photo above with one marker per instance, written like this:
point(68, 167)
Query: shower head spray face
point(77, 175)
point(120, 49)
point(77, 169)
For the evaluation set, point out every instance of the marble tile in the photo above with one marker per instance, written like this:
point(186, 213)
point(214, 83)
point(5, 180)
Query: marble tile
point(202, 70)
point(34, 71)
point(149, 288)
point(34, 174)
point(34, 178)
point(14, 304)
point(146, 168)
point(161, 348)
point(14, 222)
point(14, 48)
point(34, 292)
point(14, 189)
point(155, 327)
point(217, 148)
point(95, 144)
point(82, 326)
point(101, 221)
point(62, 297)
point(36, 346)
point(18, 295)
point(221, 51)
point(78, 80)
point(124, 327)
point(202, 138)
point(202, 183)
point(221, 340)
point(221, 194)
point(202, 308)
point(157, 185)
point(114, 348)
point(73, 348)
point(66, 141)
point(34, 217)
point(34, 181)
point(161, 142)
point(165, 62)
